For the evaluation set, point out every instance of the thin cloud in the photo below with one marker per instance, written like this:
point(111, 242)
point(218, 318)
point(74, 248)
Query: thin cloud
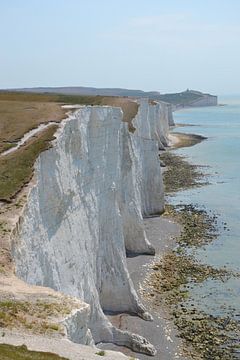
point(166, 21)
point(180, 30)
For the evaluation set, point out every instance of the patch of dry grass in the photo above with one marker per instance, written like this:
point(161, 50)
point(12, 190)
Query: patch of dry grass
point(35, 316)
point(19, 117)
point(129, 108)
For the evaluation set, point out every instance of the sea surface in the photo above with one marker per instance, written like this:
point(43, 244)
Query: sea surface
point(220, 153)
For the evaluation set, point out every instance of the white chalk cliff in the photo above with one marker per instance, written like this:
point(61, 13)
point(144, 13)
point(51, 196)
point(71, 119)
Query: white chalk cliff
point(92, 189)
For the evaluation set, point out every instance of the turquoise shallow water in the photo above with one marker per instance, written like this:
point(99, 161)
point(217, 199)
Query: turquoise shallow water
point(221, 153)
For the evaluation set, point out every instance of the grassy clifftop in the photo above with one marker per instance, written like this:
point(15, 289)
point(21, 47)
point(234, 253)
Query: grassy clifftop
point(22, 112)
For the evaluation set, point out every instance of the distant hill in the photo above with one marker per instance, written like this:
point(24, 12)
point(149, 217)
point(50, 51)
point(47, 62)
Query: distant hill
point(91, 91)
point(188, 98)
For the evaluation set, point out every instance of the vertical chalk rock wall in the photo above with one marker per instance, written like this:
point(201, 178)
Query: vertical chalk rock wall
point(170, 115)
point(92, 188)
point(151, 125)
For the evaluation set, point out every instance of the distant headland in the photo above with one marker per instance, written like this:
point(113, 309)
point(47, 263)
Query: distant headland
point(190, 98)
point(187, 98)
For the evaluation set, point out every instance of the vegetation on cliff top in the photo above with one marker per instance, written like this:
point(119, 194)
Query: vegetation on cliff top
point(36, 316)
point(22, 112)
point(16, 168)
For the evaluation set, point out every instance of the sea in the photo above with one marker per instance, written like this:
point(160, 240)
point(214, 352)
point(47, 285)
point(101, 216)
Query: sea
point(220, 156)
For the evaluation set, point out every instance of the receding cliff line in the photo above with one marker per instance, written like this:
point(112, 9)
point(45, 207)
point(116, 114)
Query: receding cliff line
point(91, 190)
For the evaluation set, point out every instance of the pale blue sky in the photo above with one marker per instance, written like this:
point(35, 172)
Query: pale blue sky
point(147, 44)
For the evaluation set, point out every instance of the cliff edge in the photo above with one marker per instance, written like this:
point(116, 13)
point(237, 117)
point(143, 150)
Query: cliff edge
point(84, 211)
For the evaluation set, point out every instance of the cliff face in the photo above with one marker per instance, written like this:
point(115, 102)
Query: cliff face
point(85, 210)
point(205, 100)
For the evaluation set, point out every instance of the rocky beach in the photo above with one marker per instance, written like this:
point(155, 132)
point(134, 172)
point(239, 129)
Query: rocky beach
point(170, 274)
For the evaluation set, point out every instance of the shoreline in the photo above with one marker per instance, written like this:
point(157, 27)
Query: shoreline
point(205, 336)
point(162, 333)
point(180, 140)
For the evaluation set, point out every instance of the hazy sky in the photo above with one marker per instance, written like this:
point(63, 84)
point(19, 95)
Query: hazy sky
point(165, 45)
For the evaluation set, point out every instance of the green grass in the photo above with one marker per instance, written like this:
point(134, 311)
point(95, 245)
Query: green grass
point(10, 352)
point(16, 169)
point(101, 353)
